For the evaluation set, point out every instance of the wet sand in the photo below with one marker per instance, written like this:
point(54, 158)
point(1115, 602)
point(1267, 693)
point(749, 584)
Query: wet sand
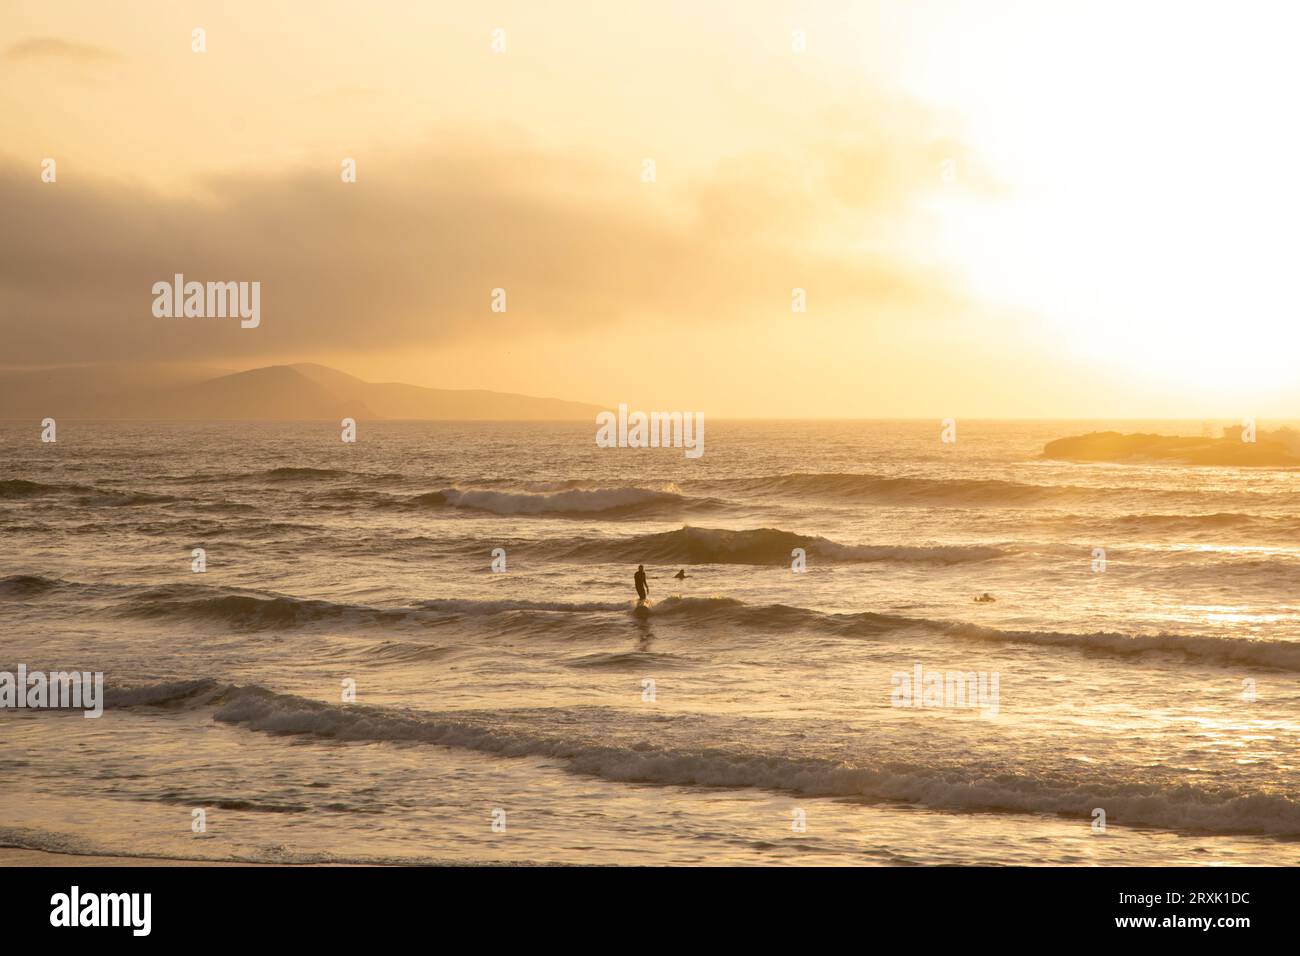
point(14, 856)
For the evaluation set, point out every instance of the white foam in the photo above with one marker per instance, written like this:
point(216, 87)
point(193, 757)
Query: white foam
point(970, 787)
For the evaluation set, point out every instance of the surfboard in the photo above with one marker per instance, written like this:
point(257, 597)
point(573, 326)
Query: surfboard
point(642, 608)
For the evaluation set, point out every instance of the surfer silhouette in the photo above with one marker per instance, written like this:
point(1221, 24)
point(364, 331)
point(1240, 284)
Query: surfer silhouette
point(642, 588)
point(680, 575)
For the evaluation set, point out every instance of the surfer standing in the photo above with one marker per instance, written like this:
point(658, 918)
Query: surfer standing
point(642, 589)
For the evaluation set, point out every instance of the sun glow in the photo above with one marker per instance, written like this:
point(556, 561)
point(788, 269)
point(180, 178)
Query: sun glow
point(1150, 194)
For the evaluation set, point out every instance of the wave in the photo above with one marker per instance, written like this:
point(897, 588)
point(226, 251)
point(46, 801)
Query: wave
point(263, 610)
point(1210, 525)
point(781, 618)
point(686, 545)
point(87, 496)
point(170, 693)
point(322, 488)
point(916, 490)
point(257, 610)
point(1214, 521)
point(106, 498)
point(20, 488)
point(295, 474)
point(1279, 655)
point(251, 611)
point(266, 610)
point(401, 652)
point(624, 661)
point(762, 546)
point(975, 783)
point(505, 606)
point(1242, 569)
point(284, 474)
point(903, 489)
point(29, 585)
point(606, 502)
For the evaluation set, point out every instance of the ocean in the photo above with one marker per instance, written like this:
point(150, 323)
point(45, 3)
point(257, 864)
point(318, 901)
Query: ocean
point(349, 679)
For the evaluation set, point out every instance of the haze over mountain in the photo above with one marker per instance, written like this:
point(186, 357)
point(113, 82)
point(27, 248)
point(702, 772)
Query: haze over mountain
point(298, 392)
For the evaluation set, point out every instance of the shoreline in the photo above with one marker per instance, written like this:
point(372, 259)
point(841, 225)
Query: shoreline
point(12, 856)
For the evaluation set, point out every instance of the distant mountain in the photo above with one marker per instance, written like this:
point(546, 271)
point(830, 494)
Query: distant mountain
point(274, 393)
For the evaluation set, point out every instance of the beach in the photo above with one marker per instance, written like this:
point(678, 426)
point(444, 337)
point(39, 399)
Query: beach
point(14, 856)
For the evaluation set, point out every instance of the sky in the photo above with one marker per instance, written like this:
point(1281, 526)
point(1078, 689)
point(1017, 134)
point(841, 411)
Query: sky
point(995, 208)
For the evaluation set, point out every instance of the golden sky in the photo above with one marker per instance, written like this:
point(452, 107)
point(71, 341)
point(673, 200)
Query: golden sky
point(997, 209)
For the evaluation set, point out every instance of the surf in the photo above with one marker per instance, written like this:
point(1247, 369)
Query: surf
point(619, 753)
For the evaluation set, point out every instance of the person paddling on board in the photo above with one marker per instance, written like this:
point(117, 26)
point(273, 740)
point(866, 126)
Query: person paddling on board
point(642, 589)
point(680, 575)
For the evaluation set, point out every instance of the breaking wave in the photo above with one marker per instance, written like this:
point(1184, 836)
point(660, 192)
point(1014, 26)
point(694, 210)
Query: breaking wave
point(970, 784)
point(690, 545)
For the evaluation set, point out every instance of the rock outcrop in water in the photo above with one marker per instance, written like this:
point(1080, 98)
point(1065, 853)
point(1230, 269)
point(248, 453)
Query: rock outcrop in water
point(1270, 450)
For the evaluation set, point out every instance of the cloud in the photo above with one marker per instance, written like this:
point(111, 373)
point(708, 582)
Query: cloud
point(47, 48)
point(408, 256)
